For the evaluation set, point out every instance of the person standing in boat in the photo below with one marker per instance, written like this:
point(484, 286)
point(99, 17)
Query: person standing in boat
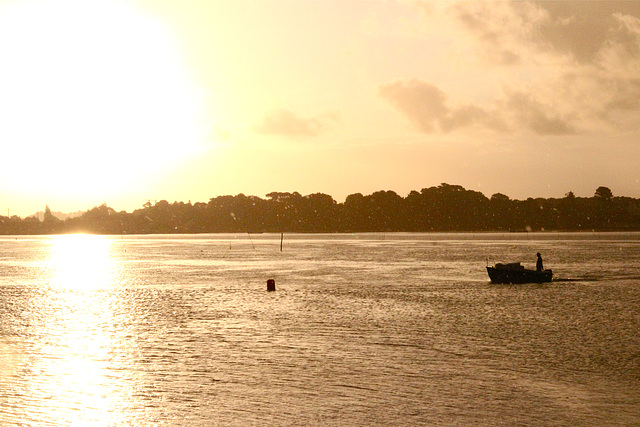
point(539, 266)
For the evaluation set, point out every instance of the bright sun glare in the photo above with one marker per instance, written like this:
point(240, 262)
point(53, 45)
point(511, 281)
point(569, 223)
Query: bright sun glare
point(81, 262)
point(78, 317)
point(94, 98)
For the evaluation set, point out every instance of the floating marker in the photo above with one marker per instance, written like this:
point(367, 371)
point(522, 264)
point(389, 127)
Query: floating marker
point(271, 285)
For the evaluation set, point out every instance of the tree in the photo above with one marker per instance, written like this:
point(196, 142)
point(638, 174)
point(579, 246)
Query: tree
point(354, 217)
point(499, 198)
point(602, 208)
point(385, 210)
point(571, 212)
point(604, 193)
point(318, 213)
point(48, 216)
point(501, 212)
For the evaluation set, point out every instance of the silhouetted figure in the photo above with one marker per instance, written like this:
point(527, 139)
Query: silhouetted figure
point(539, 266)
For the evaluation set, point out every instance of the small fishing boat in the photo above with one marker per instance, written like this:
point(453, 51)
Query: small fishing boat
point(516, 273)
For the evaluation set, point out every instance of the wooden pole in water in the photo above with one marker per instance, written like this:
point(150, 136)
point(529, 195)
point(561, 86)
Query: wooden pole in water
point(281, 239)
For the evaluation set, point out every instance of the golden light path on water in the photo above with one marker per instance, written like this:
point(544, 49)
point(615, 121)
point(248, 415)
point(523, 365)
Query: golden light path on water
point(81, 262)
point(75, 373)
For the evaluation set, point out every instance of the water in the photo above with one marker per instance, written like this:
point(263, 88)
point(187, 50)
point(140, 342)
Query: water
point(371, 329)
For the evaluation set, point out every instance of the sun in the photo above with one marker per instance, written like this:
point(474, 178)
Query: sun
point(95, 98)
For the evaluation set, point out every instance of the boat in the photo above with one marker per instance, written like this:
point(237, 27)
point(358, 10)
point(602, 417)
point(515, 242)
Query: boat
point(515, 273)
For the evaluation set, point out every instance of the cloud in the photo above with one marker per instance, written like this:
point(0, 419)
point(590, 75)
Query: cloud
point(608, 86)
point(532, 114)
point(425, 106)
point(514, 30)
point(549, 67)
point(583, 28)
point(285, 123)
point(500, 28)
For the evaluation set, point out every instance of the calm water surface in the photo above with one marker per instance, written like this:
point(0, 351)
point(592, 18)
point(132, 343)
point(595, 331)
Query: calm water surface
point(401, 329)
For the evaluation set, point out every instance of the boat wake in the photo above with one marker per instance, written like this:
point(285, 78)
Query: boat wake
point(596, 278)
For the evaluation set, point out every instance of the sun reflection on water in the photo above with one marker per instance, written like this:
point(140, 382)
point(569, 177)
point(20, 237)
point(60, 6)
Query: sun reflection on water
point(81, 261)
point(78, 368)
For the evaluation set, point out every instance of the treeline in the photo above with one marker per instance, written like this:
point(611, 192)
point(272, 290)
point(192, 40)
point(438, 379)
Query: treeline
point(442, 208)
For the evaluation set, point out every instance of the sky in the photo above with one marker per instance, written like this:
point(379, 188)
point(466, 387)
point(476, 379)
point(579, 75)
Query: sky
point(124, 102)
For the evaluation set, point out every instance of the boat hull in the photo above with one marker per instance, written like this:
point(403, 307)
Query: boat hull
point(504, 275)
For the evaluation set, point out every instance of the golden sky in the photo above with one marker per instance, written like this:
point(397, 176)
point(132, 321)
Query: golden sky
point(124, 101)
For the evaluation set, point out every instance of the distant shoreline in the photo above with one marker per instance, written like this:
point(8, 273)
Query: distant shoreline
point(394, 235)
point(445, 208)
